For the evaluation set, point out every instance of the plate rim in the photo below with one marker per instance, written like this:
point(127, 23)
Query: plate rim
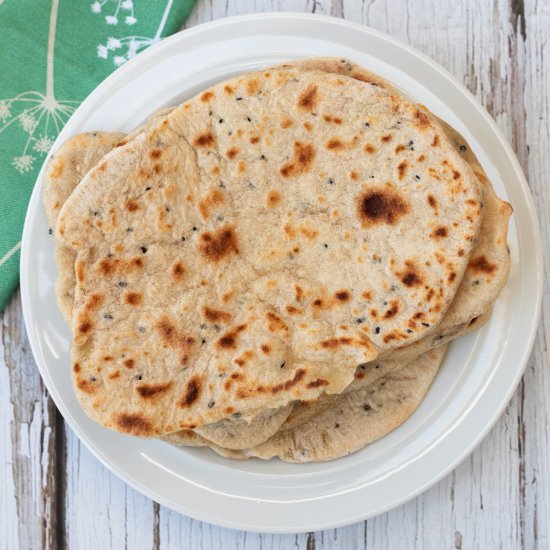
point(26, 250)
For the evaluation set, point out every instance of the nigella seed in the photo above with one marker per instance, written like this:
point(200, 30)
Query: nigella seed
point(417, 177)
point(122, 284)
point(96, 212)
point(360, 320)
point(110, 255)
point(475, 283)
point(239, 98)
point(107, 316)
point(263, 157)
point(425, 324)
point(410, 145)
point(462, 148)
point(194, 228)
point(141, 329)
point(143, 249)
point(139, 377)
point(385, 303)
point(130, 229)
point(349, 66)
point(236, 415)
point(167, 209)
point(183, 239)
point(377, 367)
point(211, 404)
point(249, 119)
point(377, 330)
point(367, 125)
point(283, 364)
point(440, 337)
point(203, 341)
point(147, 189)
point(250, 185)
point(336, 425)
point(325, 245)
point(50, 231)
point(367, 407)
point(409, 331)
point(362, 367)
point(330, 181)
point(220, 121)
point(93, 379)
point(209, 113)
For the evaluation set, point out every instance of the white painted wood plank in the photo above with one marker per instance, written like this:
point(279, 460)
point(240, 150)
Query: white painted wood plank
point(28, 516)
point(536, 416)
point(101, 510)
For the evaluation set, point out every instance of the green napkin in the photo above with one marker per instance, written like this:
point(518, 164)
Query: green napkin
point(53, 53)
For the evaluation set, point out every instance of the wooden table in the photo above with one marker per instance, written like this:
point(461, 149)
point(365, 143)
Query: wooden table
point(55, 494)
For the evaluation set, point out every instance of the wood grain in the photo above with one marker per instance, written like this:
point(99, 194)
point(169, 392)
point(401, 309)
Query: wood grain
point(54, 494)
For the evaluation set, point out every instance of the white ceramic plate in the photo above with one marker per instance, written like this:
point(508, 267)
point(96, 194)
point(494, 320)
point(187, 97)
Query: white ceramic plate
point(480, 372)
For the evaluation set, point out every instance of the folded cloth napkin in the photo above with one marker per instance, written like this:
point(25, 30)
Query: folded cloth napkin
point(53, 53)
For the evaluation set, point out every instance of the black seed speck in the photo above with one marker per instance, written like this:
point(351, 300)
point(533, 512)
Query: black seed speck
point(462, 148)
point(50, 231)
point(249, 119)
point(122, 284)
point(440, 337)
point(236, 415)
point(330, 181)
point(143, 249)
point(377, 330)
point(107, 316)
point(337, 425)
point(410, 145)
point(183, 239)
point(209, 113)
point(110, 255)
point(417, 177)
point(220, 121)
point(147, 189)
point(263, 157)
point(93, 379)
point(367, 407)
point(283, 364)
point(360, 320)
point(475, 283)
point(425, 324)
point(194, 228)
point(377, 367)
point(409, 331)
point(139, 377)
point(211, 404)
point(96, 212)
point(130, 229)
point(367, 125)
point(141, 329)
point(203, 341)
point(239, 98)
point(167, 209)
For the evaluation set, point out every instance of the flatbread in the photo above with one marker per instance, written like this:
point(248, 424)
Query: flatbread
point(81, 153)
point(489, 266)
point(351, 422)
point(139, 293)
point(239, 434)
point(65, 169)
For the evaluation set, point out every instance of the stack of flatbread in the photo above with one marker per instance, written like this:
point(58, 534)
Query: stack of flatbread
point(274, 267)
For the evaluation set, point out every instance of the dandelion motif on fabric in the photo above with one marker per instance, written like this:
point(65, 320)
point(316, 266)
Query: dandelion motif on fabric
point(122, 49)
point(39, 116)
